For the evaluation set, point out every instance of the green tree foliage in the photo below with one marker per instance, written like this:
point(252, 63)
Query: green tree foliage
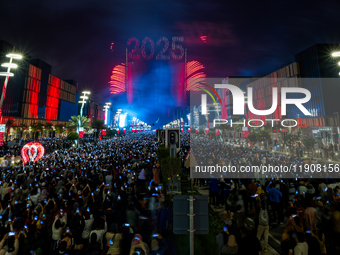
point(290, 139)
point(36, 127)
point(111, 132)
point(74, 122)
point(98, 124)
point(171, 168)
point(309, 143)
point(59, 128)
point(48, 127)
point(252, 137)
point(72, 136)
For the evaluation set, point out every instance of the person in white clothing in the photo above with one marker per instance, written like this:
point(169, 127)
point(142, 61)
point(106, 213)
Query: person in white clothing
point(301, 247)
point(100, 233)
point(58, 226)
point(88, 218)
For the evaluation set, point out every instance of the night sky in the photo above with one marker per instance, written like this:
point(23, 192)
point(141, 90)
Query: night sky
point(243, 37)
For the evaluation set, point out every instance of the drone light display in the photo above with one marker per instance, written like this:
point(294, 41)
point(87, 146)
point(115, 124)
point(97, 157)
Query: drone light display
point(32, 152)
point(117, 82)
point(195, 75)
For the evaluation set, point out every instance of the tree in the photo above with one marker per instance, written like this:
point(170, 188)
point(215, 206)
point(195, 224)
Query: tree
point(72, 136)
point(36, 127)
point(290, 139)
point(171, 169)
point(162, 154)
point(21, 129)
point(48, 127)
point(309, 143)
point(98, 125)
point(76, 122)
point(111, 132)
point(9, 123)
point(305, 131)
point(252, 137)
point(264, 136)
point(59, 128)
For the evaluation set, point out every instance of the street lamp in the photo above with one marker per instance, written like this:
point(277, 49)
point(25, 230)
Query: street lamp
point(7, 74)
point(106, 108)
point(336, 55)
point(83, 97)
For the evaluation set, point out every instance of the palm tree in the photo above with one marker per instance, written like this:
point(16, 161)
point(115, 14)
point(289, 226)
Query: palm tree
point(9, 123)
point(76, 122)
point(36, 127)
point(20, 130)
point(59, 128)
point(48, 127)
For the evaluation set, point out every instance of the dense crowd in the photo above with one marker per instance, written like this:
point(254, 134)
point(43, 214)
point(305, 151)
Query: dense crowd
point(308, 207)
point(101, 198)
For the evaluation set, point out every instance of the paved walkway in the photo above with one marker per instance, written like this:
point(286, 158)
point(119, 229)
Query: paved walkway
point(272, 242)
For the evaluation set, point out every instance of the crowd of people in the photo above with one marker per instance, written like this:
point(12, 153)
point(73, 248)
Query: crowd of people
point(308, 207)
point(106, 198)
point(100, 198)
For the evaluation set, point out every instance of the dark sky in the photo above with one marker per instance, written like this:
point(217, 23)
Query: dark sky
point(244, 37)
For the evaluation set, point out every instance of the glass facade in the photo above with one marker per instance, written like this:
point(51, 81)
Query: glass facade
point(57, 90)
point(31, 92)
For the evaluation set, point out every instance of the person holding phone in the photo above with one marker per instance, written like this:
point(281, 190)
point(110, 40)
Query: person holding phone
point(10, 243)
point(158, 245)
point(58, 228)
point(89, 219)
point(138, 244)
point(115, 236)
point(100, 231)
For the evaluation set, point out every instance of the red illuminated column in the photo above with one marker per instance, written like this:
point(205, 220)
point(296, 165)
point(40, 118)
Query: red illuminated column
point(2, 133)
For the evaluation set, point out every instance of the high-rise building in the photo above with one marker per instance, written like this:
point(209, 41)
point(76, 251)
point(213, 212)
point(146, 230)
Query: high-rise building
point(34, 94)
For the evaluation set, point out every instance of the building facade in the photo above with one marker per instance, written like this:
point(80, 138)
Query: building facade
point(34, 94)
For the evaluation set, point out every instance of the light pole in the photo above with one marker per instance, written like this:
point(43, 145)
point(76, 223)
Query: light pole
point(7, 74)
point(336, 55)
point(106, 108)
point(83, 97)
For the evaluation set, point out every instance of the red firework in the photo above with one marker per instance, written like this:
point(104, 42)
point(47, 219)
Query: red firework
point(194, 75)
point(117, 82)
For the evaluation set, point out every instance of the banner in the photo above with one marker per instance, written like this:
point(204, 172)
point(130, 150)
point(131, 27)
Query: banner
point(103, 132)
point(245, 132)
point(2, 133)
point(81, 132)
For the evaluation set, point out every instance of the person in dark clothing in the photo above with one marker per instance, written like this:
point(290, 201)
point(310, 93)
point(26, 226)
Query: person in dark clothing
point(249, 244)
point(214, 189)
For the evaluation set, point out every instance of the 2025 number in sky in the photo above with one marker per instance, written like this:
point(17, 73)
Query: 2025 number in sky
point(147, 49)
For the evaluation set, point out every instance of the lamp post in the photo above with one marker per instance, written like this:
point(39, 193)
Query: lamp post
point(106, 108)
point(83, 97)
point(7, 74)
point(336, 55)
